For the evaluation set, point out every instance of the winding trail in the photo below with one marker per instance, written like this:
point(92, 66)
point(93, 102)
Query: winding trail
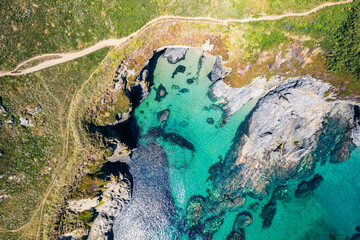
point(59, 58)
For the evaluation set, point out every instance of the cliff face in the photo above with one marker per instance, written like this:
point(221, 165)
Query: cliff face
point(284, 133)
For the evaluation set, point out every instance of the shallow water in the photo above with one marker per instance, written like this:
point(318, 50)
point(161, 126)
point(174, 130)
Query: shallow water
point(194, 138)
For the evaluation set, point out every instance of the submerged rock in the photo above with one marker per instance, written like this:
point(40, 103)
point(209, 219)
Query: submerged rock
point(175, 55)
point(179, 69)
point(356, 236)
point(163, 115)
point(236, 235)
point(269, 210)
point(268, 213)
point(190, 81)
point(210, 121)
point(219, 71)
point(242, 220)
point(184, 90)
point(160, 93)
point(193, 210)
point(307, 187)
point(175, 87)
point(212, 225)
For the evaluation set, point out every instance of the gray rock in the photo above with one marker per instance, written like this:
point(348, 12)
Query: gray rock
point(25, 122)
point(219, 71)
point(175, 55)
point(121, 153)
point(281, 133)
point(115, 196)
point(237, 97)
point(77, 206)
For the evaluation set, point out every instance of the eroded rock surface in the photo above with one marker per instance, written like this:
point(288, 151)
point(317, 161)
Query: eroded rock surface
point(175, 55)
point(219, 71)
point(278, 139)
point(77, 206)
point(116, 195)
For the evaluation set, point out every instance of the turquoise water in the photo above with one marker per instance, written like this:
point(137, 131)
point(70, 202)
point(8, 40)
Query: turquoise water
point(194, 138)
point(189, 112)
point(332, 211)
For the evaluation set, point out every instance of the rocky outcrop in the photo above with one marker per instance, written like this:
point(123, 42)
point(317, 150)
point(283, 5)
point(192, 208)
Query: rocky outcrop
point(116, 195)
point(175, 55)
point(235, 98)
point(25, 122)
point(34, 111)
point(121, 153)
point(281, 137)
point(219, 71)
point(77, 206)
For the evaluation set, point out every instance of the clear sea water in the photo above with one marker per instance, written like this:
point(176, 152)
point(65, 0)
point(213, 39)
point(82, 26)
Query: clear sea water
point(332, 211)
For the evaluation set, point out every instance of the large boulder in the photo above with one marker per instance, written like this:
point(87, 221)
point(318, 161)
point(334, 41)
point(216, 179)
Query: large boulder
point(175, 54)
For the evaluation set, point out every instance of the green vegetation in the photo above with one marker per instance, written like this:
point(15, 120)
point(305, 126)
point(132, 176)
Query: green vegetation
point(261, 36)
point(32, 154)
point(30, 28)
point(37, 27)
point(345, 50)
point(321, 25)
point(309, 43)
point(235, 8)
point(90, 186)
point(86, 216)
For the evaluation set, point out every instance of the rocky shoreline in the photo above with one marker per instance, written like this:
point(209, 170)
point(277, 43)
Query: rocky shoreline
point(278, 141)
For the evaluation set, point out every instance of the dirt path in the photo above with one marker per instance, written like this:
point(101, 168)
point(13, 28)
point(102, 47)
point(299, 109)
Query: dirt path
point(65, 57)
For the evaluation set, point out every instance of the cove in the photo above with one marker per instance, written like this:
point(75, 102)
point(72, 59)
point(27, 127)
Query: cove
point(184, 135)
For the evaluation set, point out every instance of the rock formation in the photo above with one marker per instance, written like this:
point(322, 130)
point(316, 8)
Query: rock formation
point(281, 133)
point(116, 195)
point(219, 71)
point(175, 54)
